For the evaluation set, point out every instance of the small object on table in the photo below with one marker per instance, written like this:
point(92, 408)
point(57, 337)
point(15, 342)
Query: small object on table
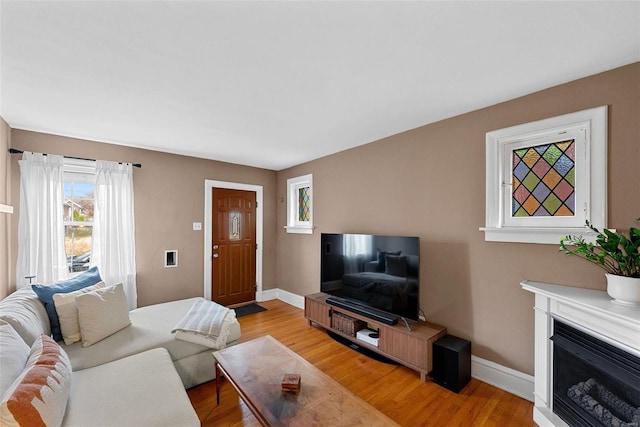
point(291, 383)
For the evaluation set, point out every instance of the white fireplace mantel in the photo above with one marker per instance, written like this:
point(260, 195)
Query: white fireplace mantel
point(588, 310)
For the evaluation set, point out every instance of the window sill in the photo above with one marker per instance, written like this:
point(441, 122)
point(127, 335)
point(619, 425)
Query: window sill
point(534, 235)
point(299, 230)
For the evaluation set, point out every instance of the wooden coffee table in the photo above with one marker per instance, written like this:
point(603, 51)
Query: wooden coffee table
point(255, 369)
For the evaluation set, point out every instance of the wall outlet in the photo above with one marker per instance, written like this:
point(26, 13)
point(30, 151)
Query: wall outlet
point(197, 226)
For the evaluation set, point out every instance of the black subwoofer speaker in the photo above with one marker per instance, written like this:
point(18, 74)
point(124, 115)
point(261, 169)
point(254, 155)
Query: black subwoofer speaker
point(451, 362)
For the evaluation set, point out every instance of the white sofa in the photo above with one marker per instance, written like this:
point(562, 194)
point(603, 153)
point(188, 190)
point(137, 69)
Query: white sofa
point(137, 376)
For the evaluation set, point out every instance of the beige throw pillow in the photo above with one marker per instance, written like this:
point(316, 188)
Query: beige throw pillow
point(68, 312)
point(102, 313)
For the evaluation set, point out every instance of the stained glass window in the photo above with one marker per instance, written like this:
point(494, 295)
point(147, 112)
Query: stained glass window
point(300, 205)
point(304, 204)
point(544, 180)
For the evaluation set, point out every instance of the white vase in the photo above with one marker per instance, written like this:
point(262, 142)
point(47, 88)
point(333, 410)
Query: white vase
point(624, 290)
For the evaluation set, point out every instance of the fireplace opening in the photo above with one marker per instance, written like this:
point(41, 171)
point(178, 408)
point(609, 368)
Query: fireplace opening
point(594, 383)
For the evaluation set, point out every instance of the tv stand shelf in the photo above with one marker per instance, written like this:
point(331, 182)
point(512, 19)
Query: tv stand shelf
point(409, 348)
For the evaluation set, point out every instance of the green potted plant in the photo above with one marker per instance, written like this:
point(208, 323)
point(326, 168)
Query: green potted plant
point(617, 254)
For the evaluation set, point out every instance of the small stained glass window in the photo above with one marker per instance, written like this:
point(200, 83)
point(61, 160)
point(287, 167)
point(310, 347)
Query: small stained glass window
point(300, 205)
point(544, 180)
point(304, 204)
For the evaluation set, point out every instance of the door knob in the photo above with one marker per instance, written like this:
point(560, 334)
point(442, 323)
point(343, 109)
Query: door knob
point(215, 255)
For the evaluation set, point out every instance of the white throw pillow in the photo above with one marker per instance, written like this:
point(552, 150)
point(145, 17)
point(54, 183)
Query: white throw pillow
point(68, 312)
point(14, 353)
point(102, 313)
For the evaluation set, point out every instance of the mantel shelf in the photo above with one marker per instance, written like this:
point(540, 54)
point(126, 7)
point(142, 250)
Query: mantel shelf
point(598, 303)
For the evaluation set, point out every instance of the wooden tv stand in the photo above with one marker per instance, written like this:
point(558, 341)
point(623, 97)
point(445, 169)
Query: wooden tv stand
point(409, 348)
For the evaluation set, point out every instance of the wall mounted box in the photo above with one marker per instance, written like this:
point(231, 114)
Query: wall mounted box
point(171, 258)
point(452, 362)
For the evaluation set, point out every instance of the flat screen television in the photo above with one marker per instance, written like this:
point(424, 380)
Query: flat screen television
point(381, 272)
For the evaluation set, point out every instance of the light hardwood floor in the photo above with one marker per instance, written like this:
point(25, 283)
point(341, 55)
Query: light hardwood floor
point(394, 390)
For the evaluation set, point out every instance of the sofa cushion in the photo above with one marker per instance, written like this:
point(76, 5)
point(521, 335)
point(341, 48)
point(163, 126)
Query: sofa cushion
point(101, 313)
point(151, 328)
point(39, 395)
point(67, 310)
point(26, 314)
point(14, 353)
point(46, 293)
point(140, 390)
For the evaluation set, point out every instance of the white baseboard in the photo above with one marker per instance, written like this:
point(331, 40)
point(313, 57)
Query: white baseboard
point(285, 296)
point(267, 295)
point(291, 298)
point(507, 379)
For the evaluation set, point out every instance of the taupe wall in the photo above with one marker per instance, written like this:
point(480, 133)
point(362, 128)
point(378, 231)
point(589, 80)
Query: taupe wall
point(430, 182)
point(169, 197)
point(427, 182)
point(6, 267)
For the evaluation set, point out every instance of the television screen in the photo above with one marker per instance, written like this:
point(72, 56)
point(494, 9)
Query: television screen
point(373, 271)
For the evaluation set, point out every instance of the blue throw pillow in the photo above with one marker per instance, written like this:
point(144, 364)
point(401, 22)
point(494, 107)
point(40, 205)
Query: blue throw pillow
point(45, 294)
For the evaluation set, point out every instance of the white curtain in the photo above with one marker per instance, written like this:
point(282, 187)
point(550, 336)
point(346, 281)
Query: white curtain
point(113, 244)
point(40, 224)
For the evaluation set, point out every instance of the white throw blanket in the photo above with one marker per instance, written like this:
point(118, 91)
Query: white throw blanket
point(205, 322)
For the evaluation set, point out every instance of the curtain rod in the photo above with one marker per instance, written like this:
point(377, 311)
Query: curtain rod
point(14, 151)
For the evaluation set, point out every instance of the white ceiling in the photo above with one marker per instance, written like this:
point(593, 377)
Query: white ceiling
point(275, 84)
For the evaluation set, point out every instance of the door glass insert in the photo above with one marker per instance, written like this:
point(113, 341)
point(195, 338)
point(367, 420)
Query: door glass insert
point(235, 228)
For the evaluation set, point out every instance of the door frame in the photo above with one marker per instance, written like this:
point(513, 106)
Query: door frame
point(209, 185)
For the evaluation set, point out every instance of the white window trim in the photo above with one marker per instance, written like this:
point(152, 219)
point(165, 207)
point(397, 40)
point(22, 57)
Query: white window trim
point(593, 202)
point(293, 224)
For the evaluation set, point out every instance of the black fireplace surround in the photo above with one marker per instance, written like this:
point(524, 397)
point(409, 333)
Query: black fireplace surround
point(594, 383)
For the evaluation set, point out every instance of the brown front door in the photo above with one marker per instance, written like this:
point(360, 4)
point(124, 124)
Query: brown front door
point(233, 252)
